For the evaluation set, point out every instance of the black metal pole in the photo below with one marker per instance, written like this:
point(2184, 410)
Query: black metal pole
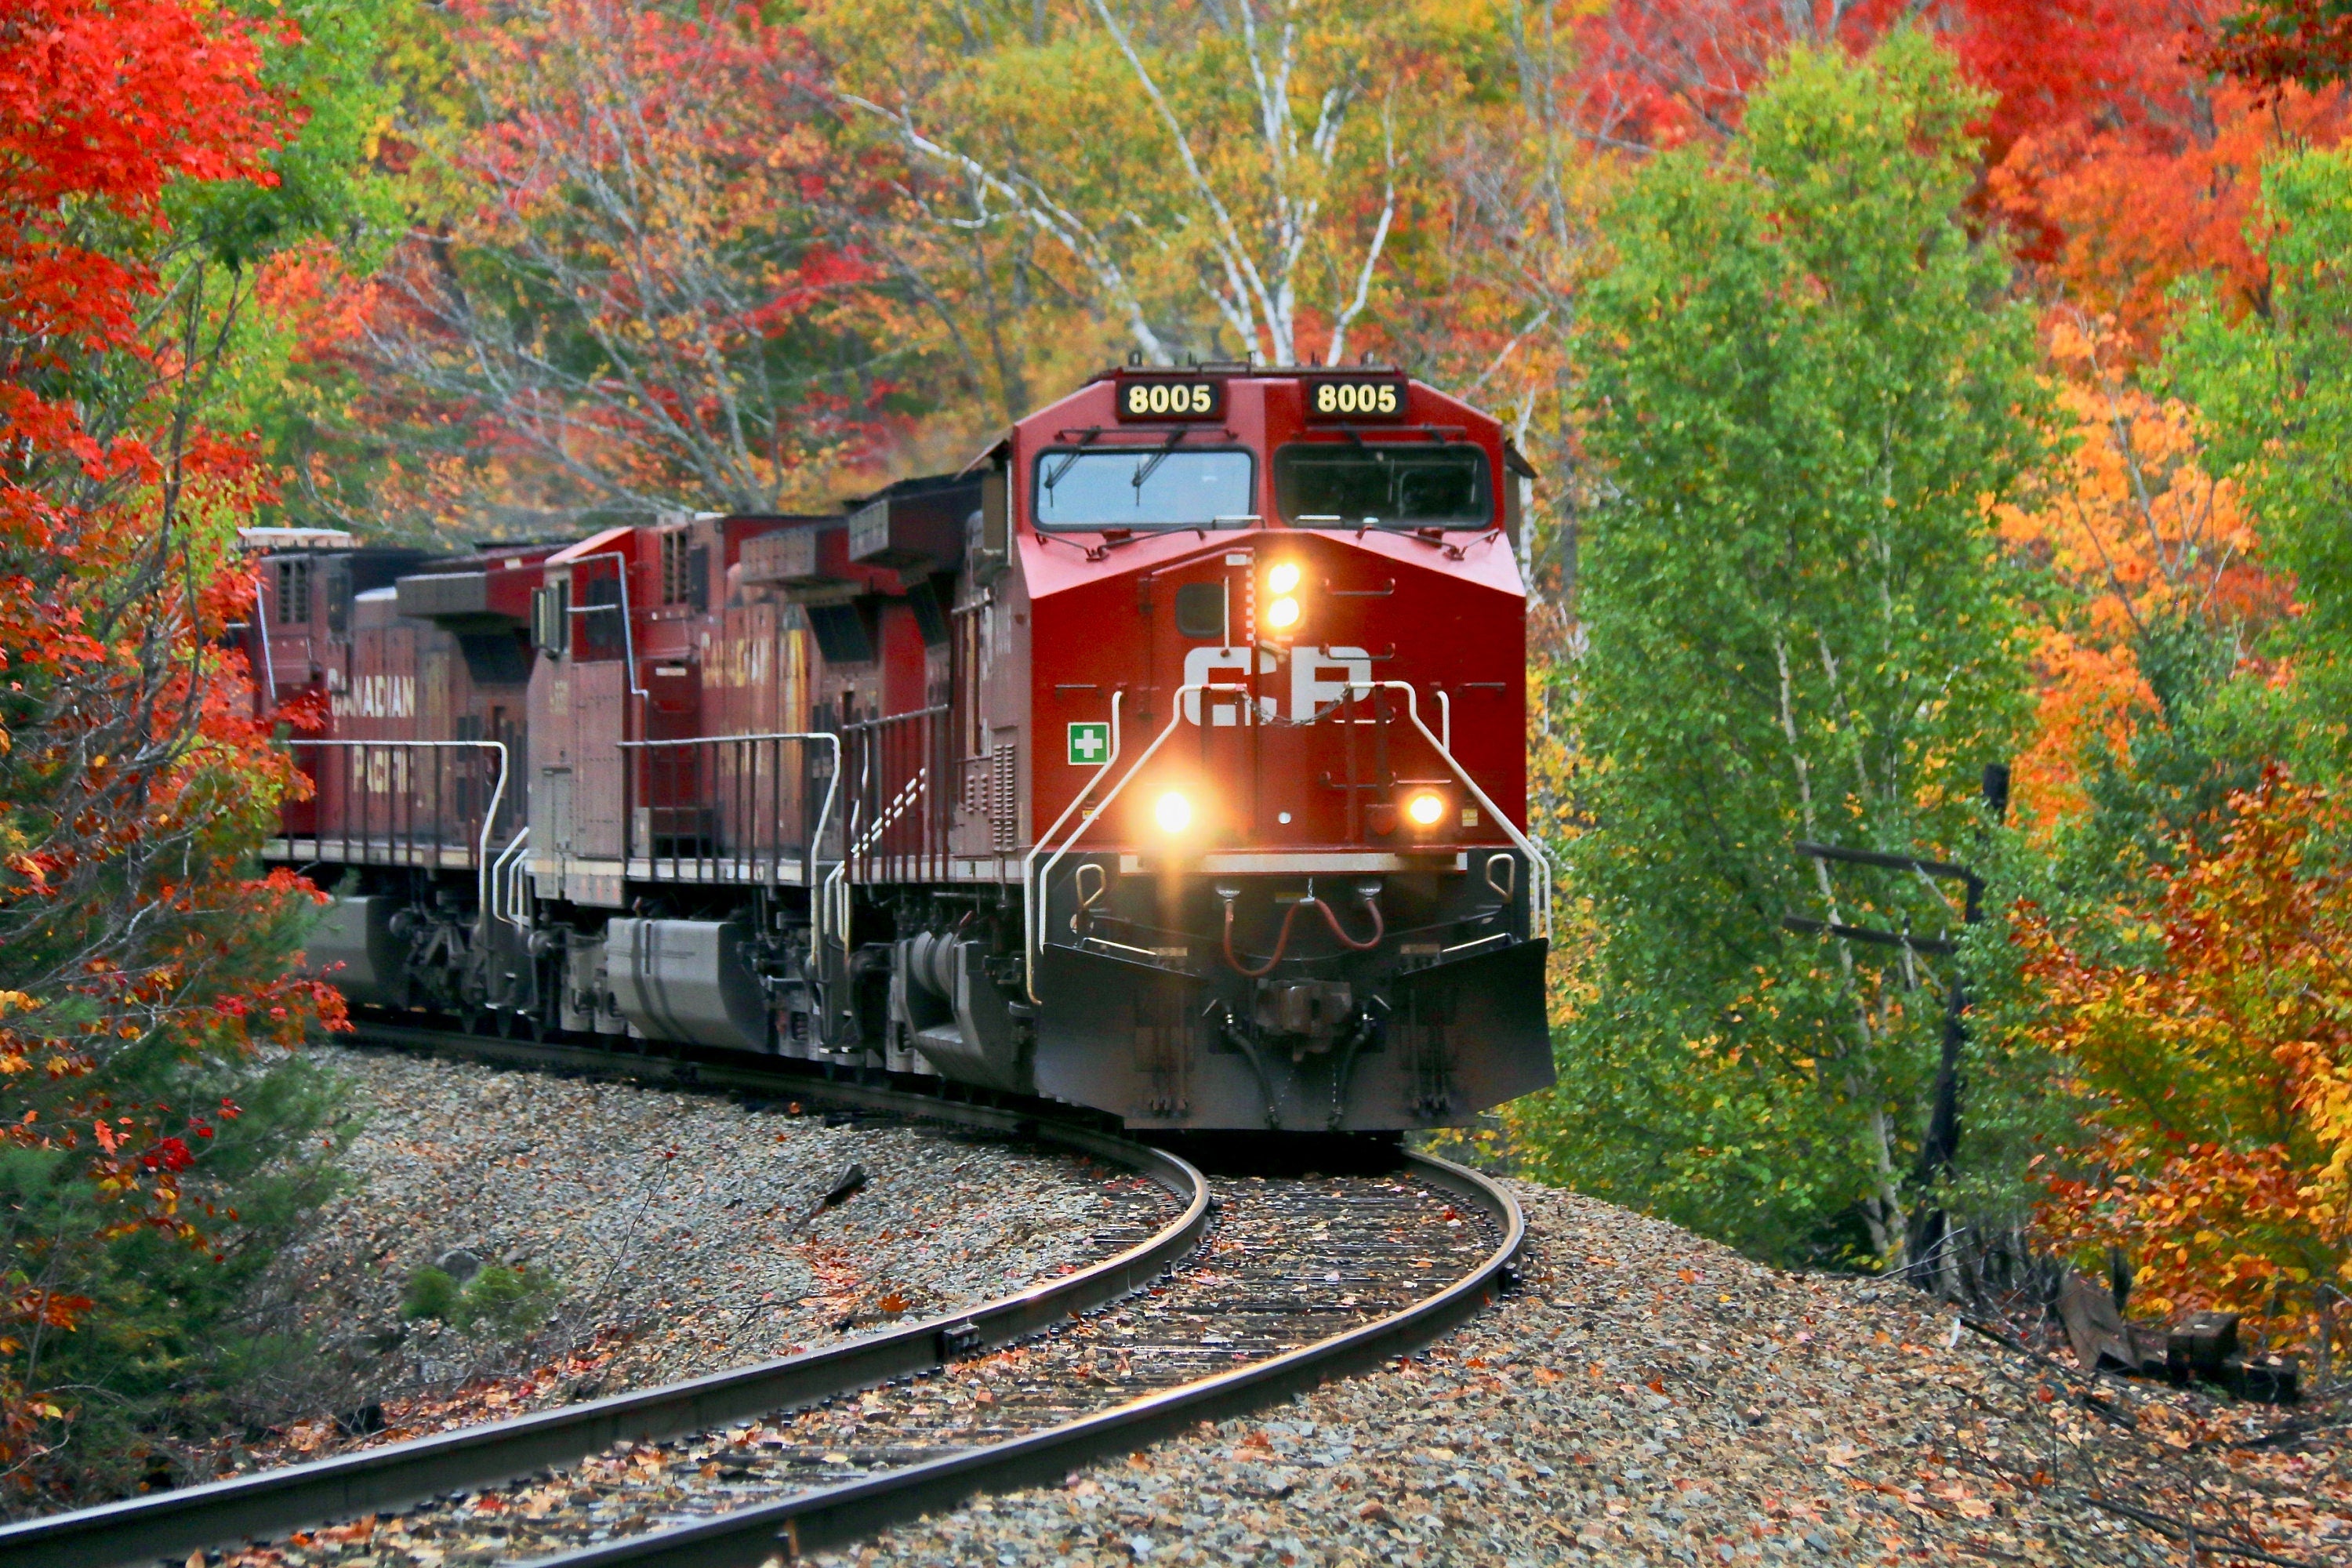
point(1939, 1149)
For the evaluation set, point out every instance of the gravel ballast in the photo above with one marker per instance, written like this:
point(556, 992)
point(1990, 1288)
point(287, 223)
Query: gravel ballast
point(1285, 1262)
point(1651, 1397)
point(664, 1234)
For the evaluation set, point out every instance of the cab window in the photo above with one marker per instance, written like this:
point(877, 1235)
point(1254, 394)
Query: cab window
point(1337, 484)
point(1144, 486)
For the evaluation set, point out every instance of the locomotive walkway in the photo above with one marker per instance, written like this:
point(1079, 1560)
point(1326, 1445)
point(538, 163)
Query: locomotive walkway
point(1256, 1289)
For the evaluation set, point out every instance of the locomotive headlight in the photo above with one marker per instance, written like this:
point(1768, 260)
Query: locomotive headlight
point(1283, 578)
point(1282, 615)
point(1172, 812)
point(1426, 809)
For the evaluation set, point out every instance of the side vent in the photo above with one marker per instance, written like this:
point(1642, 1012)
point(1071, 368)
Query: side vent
point(1003, 795)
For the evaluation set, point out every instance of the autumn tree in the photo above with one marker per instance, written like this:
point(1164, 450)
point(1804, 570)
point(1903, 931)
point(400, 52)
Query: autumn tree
point(2273, 43)
point(621, 284)
point(1662, 71)
point(1213, 182)
point(2138, 554)
point(149, 1152)
point(2111, 148)
point(2276, 391)
point(1805, 391)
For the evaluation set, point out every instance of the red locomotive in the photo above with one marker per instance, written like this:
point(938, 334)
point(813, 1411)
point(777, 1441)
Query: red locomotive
point(1168, 761)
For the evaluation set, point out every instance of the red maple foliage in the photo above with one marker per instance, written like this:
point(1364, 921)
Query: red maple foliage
point(1659, 71)
point(2112, 151)
point(134, 780)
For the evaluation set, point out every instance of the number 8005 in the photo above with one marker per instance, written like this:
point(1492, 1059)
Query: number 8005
point(1170, 397)
point(1356, 397)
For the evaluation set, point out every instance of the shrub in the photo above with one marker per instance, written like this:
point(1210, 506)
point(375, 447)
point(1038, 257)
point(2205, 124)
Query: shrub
point(2220, 1066)
point(506, 1301)
point(431, 1294)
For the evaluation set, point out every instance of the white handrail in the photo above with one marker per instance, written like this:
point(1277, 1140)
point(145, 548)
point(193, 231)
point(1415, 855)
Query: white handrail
point(818, 894)
point(1034, 877)
point(854, 840)
point(1535, 857)
point(490, 813)
point(269, 665)
point(836, 881)
point(837, 884)
point(499, 871)
point(621, 565)
point(1033, 887)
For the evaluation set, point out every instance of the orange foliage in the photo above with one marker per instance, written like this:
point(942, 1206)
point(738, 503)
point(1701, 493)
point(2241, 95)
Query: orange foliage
point(2221, 1155)
point(2139, 211)
point(2136, 532)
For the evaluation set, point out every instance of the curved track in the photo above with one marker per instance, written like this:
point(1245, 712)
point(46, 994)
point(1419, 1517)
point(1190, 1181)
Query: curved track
point(1299, 1280)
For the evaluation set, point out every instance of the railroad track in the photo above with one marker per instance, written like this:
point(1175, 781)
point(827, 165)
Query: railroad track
point(1260, 1286)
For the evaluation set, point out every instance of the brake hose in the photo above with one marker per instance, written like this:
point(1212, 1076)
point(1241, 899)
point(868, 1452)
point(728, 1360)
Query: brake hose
point(1282, 941)
point(1379, 926)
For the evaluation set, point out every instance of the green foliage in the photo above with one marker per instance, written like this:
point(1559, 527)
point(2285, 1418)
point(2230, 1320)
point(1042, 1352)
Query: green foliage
point(2276, 393)
point(323, 185)
point(325, 218)
point(1807, 387)
point(170, 1341)
point(505, 1301)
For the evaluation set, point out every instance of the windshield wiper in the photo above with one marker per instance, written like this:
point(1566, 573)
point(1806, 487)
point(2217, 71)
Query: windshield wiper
point(1143, 469)
point(1055, 478)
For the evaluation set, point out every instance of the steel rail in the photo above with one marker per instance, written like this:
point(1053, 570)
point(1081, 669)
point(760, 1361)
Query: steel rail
point(829, 1517)
point(172, 1525)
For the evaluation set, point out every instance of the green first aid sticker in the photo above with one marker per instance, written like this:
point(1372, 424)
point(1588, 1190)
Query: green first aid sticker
point(1090, 744)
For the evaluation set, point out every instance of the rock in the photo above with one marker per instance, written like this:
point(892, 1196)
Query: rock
point(458, 1264)
point(358, 1423)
